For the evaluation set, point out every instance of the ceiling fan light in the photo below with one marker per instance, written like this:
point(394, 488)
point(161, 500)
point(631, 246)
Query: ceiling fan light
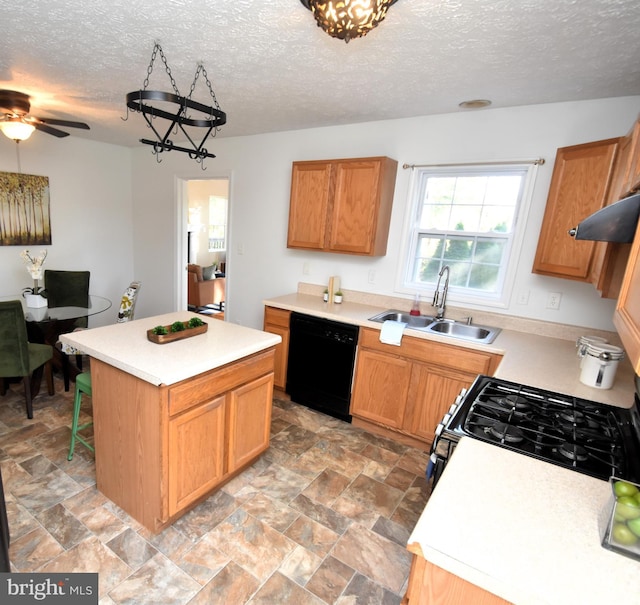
point(16, 129)
point(348, 19)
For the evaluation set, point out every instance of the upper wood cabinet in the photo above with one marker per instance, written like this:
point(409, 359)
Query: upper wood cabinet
point(580, 186)
point(627, 315)
point(342, 206)
point(631, 180)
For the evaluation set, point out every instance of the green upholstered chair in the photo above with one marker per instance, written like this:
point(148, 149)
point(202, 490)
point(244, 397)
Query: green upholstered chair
point(83, 385)
point(67, 289)
point(19, 357)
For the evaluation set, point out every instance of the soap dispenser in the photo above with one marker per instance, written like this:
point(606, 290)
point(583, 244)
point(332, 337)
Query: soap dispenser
point(415, 310)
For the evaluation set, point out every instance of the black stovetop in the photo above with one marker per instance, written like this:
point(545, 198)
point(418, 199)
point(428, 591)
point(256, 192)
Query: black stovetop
point(590, 437)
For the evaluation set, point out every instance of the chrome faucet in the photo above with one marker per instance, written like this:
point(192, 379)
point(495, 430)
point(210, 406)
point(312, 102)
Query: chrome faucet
point(440, 297)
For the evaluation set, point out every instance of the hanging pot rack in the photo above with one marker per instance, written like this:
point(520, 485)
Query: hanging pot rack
point(141, 101)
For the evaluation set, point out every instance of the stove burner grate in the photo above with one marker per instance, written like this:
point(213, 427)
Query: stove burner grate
point(506, 433)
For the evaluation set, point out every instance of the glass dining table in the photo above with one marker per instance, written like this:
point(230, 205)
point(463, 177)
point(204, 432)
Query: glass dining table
point(44, 324)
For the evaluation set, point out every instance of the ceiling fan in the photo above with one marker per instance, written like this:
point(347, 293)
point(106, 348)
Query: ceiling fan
point(17, 124)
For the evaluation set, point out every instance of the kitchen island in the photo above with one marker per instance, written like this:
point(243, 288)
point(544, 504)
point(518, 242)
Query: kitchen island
point(173, 422)
point(504, 527)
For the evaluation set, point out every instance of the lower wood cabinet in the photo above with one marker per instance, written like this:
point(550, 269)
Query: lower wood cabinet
point(276, 321)
point(162, 449)
point(196, 452)
point(432, 585)
point(406, 390)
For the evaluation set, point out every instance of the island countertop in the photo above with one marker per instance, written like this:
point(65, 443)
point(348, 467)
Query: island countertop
point(524, 530)
point(126, 347)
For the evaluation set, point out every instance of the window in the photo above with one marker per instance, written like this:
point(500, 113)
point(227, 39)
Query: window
point(217, 224)
point(466, 217)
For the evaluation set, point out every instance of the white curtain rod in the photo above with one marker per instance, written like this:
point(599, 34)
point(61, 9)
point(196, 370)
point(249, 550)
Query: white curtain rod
point(539, 162)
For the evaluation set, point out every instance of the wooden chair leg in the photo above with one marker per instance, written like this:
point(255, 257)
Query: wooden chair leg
point(27, 395)
point(48, 370)
point(79, 362)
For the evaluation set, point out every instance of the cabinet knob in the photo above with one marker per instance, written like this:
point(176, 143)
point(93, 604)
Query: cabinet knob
point(573, 232)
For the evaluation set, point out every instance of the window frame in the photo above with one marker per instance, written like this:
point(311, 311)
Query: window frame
point(411, 231)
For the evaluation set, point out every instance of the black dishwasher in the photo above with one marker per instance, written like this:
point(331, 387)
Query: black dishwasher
point(321, 358)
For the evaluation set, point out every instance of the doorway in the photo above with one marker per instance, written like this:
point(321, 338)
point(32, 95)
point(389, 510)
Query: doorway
point(204, 242)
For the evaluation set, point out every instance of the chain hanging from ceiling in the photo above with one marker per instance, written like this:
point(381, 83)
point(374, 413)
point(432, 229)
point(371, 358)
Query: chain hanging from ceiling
point(210, 118)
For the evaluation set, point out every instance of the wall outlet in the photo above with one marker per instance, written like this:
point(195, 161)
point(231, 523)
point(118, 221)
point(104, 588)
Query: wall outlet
point(553, 300)
point(306, 269)
point(240, 248)
point(523, 297)
point(372, 276)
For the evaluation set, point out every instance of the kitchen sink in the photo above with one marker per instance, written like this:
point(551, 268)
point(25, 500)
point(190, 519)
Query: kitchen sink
point(443, 327)
point(413, 321)
point(482, 334)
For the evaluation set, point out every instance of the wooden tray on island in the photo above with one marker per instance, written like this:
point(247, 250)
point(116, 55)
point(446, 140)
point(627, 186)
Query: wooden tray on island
point(162, 339)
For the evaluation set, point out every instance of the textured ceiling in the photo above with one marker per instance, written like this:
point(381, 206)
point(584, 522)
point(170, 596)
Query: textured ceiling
point(272, 69)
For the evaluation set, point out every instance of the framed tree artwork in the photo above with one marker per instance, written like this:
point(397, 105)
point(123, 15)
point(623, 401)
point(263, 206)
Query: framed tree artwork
point(24, 210)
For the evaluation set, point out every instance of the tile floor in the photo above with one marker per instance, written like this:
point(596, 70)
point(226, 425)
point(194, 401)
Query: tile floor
point(322, 517)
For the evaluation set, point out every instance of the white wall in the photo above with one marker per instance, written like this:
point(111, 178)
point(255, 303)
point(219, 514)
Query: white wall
point(91, 218)
point(259, 263)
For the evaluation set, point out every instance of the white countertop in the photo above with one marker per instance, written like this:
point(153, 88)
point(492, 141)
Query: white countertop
point(524, 530)
point(125, 346)
point(530, 359)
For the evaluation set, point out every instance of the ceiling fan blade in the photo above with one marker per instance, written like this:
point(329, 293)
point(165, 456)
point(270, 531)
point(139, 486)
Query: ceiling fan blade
point(49, 130)
point(67, 123)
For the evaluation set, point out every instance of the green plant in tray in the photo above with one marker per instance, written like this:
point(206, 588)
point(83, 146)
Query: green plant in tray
point(177, 326)
point(159, 330)
point(195, 322)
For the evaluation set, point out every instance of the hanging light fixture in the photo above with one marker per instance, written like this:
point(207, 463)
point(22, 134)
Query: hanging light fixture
point(16, 129)
point(348, 19)
point(210, 117)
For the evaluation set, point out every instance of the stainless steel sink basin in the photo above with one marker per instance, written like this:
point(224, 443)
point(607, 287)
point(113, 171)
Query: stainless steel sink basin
point(482, 334)
point(413, 321)
point(444, 327)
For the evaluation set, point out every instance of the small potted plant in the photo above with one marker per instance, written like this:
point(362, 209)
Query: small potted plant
point(337, 297)
point(34, 264)
point(325, 295)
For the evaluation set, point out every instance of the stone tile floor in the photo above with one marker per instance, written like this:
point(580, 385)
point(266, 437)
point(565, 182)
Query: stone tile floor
point(322, 517)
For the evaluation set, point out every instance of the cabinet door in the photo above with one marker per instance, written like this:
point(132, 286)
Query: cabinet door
point(249, 421)
point(353, 218)
point(276, 321)
point(311, 192)
point(632, 180)
point(627, 315)
point(381, 388)
point(433, 390)
point(579, 187)
point(196, 453)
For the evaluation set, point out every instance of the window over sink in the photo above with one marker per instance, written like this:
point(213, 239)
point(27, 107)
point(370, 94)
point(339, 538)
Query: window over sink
point(471, 218)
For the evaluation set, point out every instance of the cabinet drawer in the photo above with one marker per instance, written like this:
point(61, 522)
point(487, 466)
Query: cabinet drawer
point(276, 317)
point(428, 351)
point(207, 386)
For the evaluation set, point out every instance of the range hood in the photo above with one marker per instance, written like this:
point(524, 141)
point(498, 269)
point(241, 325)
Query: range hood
point(614, 223)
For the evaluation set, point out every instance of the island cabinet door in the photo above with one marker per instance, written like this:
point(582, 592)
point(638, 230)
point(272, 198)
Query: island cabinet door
point(249, 421)
point(196, 452)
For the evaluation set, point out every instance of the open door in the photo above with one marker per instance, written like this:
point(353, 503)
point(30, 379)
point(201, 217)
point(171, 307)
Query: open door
point(204, 245)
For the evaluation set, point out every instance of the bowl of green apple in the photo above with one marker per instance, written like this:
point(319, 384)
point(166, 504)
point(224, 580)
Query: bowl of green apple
point(622, 532)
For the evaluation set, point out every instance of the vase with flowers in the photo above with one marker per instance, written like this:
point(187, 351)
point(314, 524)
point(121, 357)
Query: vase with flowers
point(34, 267)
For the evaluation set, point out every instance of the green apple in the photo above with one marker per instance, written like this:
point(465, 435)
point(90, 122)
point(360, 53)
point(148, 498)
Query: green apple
point(623, 535)
point(627, 507)
point(622, 488)
point(634, 526)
